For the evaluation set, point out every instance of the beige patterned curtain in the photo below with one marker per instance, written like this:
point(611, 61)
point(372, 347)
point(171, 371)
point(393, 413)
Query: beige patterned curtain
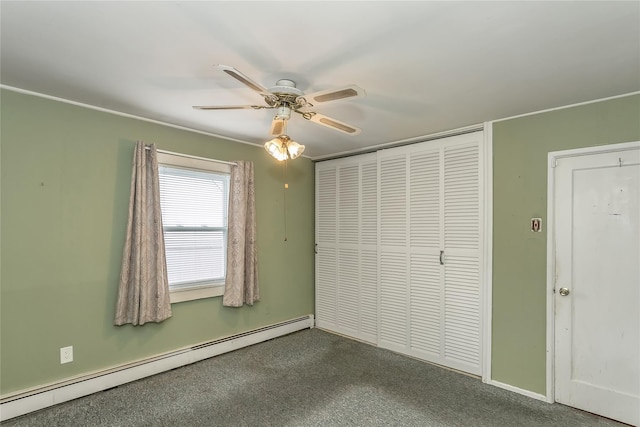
point(143, 295)
point(241, 284)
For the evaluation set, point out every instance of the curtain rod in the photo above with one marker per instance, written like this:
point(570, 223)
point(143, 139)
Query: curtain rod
point(193, 157)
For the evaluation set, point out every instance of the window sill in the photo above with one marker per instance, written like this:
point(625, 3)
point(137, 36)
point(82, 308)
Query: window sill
point(197, 293)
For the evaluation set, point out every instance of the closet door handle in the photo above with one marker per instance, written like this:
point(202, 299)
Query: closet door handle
point(441, 257)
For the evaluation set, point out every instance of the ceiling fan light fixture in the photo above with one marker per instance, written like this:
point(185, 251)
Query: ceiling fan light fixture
point(276, 149)
point(283, 148)
point(294, 149)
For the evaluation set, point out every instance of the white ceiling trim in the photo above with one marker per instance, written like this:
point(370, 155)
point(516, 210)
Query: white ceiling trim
point(563, 107)
point(391, 144)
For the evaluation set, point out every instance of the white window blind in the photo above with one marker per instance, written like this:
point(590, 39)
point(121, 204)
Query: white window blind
point(194, 215)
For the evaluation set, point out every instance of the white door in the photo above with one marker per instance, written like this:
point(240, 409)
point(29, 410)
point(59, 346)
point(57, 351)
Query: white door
point(597, 287)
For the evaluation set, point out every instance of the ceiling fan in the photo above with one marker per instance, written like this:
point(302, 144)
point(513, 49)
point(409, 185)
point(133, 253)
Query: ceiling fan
point(285, 97)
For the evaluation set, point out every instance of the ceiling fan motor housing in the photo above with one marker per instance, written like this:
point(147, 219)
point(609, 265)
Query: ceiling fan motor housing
point(285, 87)
point(285, 94)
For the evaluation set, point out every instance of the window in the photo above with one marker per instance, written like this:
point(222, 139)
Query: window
point(194, 197)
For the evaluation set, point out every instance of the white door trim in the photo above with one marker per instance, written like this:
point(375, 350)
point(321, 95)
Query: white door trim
point(487, 251)
point(551, 254)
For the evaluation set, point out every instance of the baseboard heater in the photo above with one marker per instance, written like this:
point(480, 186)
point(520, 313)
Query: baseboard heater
point(23, 402)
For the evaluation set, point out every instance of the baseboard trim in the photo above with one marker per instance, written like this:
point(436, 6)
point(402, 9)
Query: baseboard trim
point(21, 403)
point(518, 390)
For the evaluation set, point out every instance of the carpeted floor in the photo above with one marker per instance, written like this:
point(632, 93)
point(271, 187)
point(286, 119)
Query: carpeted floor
point(309, 378)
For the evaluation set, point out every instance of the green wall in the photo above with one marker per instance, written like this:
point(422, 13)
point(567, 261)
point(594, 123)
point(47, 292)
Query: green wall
point(520, 148)
point(65, 187)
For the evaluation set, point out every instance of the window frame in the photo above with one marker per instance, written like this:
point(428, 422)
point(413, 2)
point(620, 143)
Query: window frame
point(203, 289)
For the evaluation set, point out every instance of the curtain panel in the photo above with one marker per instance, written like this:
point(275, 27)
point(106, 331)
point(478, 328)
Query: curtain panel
point(241, 283)
point(143, 293)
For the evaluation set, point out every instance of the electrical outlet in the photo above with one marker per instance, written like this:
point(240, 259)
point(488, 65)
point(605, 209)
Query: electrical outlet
point(66, 354)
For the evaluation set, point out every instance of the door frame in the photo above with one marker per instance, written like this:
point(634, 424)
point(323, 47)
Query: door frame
point(487, 253)
point(551, 252)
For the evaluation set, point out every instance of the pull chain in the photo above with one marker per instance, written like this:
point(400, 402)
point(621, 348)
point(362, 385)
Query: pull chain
point(286, 186)
point(284, 197)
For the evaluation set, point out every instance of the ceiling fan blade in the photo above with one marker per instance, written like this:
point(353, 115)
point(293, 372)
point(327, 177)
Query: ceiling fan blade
point(333, 94)
point(277, 127)
point(230, 107)
point(243, 79)
point(321, 119)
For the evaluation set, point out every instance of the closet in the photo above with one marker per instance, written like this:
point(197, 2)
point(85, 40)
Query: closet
point(399, 237)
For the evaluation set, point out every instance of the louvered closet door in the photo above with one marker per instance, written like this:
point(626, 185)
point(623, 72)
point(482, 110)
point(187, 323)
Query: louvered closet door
point(346, 279)
point(462, 239)
point(429, 203)
point(426, 276)
point(368, 224)
point(326, 247)
point(348, 257)
point(411, 238)
point(392, 249)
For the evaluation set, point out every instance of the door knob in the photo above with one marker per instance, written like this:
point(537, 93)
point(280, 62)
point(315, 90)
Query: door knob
point(564, 292)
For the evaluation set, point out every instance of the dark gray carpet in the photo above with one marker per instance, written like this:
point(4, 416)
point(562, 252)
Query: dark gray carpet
point(309, 378)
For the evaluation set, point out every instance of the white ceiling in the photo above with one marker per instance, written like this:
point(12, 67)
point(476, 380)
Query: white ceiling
point(426, 67)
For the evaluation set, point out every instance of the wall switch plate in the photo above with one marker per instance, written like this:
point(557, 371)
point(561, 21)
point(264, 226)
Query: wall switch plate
point(66, 354)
